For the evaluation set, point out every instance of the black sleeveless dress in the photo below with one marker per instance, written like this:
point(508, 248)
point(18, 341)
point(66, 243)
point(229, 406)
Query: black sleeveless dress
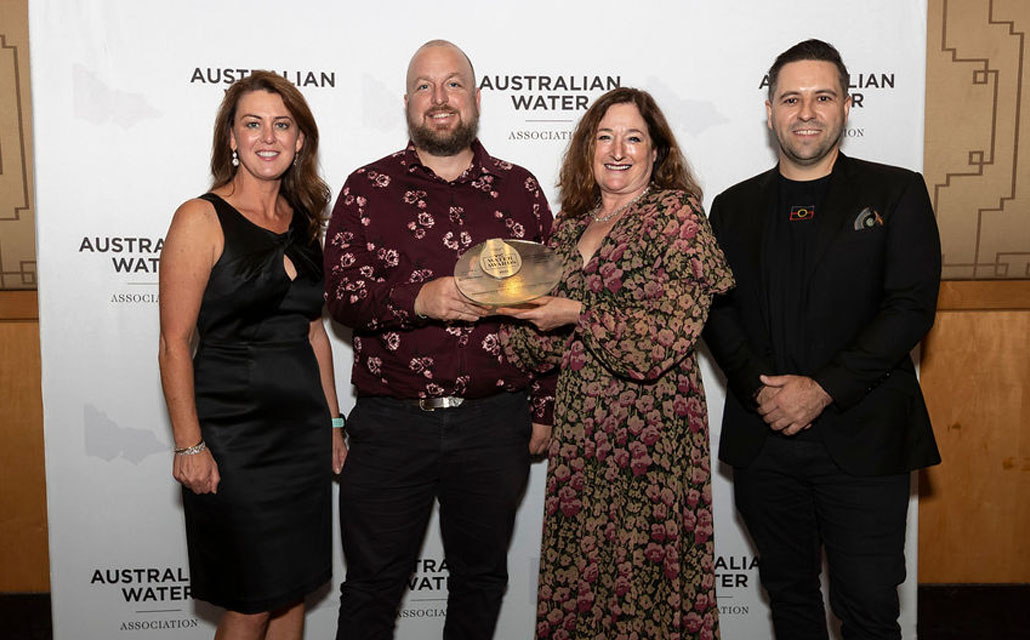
point(265, 539)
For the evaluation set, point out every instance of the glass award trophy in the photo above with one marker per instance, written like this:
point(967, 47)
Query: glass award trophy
point(505, 272)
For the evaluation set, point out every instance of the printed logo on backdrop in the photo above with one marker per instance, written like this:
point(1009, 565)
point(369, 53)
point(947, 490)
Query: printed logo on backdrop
point(736, 582)
point(132, 261)
point(130, 264)
point(546, 106)
point(684, 114)
point(108, 440)
point(224, 76)
point(99, 102)
point(427, 590)
point(150, 599)
point(864, 88)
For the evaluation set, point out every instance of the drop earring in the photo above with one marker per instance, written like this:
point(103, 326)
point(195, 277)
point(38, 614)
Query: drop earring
point(235, 159)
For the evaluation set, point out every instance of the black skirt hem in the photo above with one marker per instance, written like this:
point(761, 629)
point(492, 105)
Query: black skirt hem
point(265, 604)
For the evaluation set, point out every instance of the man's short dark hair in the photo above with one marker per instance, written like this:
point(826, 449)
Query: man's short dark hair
point(809, 50)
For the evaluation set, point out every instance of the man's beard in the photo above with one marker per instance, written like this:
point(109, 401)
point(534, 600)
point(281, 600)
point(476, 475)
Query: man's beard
point(444, 143)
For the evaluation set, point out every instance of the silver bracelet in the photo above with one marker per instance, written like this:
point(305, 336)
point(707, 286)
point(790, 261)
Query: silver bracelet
point(192, 451)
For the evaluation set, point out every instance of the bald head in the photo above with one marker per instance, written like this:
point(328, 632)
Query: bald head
point(441, 100)
point(436, 50)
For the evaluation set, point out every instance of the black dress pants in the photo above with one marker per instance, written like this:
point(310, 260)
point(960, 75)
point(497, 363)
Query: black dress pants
point(474, 459)
point(795, 500)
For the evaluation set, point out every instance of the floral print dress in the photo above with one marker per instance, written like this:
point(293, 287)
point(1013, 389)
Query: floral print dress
point(627, 544)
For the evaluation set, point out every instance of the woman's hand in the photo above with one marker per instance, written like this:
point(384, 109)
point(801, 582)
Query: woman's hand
point(548, 312)
point(540, 439)
point(339, 450)
point(198, 472)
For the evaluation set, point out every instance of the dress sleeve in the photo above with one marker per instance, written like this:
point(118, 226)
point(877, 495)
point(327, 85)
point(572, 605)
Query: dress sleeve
point(530, 350)
point(538, 355)
point(645, 306)
point(533, 351)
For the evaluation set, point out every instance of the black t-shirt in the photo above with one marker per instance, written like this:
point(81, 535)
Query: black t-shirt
point(789, 242)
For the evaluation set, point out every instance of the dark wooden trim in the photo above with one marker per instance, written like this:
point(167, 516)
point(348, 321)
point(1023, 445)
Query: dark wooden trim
point(26, 616)
point(984, 295)
point(19, 305)
point(973, 611)
point(946, 612)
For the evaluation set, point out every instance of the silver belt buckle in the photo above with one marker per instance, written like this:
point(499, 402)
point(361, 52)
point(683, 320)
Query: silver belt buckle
point(446, 402)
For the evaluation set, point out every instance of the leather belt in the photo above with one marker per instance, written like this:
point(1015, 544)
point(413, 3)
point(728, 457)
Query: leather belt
point(432, 404)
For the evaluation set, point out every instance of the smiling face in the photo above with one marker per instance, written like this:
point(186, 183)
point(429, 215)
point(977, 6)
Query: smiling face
point(623, 153)
point(442, 101)
point(807, 114)
point(264, 135)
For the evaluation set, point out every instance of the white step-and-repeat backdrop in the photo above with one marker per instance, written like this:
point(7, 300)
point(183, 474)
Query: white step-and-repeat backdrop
point(124, 96)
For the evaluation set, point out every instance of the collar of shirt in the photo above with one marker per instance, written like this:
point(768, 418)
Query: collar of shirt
point(482, 164)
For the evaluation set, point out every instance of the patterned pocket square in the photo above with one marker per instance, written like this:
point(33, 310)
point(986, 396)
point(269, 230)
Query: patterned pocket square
point(867, 219)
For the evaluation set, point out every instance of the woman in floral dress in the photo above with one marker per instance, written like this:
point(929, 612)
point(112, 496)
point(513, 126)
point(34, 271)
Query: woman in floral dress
point(627, 545)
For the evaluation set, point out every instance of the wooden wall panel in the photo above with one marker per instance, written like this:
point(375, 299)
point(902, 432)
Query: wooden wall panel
point(984, 295)
point(24, 561)
point(974, 509)
point(17, 209)
point(974, 514)
point(977, 119)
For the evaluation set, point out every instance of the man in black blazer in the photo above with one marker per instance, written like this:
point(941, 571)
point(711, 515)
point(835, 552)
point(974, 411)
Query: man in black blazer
point(837, 263)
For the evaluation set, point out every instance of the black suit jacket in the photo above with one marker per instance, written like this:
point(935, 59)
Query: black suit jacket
point(871, 297)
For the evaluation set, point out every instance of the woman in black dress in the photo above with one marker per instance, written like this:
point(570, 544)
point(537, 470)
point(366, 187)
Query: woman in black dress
point(252, 414)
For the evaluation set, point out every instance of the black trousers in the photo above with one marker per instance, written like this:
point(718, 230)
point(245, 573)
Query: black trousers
point(795, 500)
point(474, 459)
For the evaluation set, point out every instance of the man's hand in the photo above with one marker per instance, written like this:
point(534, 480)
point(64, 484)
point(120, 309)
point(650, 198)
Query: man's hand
point(790, 403)
point(540, 440)
point(765, 394)
point(441, 300)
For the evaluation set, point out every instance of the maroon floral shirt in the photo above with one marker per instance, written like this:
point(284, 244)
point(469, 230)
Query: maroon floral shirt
point(396, 226)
